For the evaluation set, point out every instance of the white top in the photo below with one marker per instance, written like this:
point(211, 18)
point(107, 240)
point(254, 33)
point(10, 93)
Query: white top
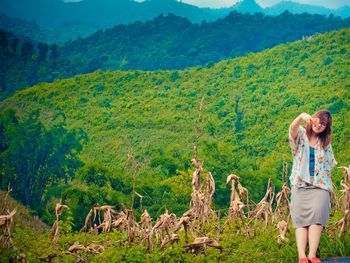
point(324, 162)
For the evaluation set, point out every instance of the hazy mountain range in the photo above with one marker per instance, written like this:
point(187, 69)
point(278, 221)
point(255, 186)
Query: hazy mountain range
point(166, 42)
point(68, 20)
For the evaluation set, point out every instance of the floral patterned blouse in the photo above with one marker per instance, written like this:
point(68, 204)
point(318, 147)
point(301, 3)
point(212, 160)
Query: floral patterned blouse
point(324, 162)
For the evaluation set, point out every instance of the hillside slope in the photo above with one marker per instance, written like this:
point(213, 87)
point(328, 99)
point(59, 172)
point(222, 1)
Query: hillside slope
point(248, 104)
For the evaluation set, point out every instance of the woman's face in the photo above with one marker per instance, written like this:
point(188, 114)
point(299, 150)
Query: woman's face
point(318, 126)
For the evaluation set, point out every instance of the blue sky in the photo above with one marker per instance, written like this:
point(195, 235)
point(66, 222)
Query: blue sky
point(263, 3)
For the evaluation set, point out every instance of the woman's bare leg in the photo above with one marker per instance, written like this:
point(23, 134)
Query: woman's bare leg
point(301, 235)
point(314, 239)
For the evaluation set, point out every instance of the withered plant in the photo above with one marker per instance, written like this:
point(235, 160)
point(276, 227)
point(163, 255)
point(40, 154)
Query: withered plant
point(282, 227)
point(6, 222)
point(282, 203)
point(185, 222)
point(236, 205)
point(343, 223)
point(346, 173)
point(132, 230)
point(170, 240)
point(264, 207)
point(146, 229)
point(55, 227)
point(96, 210)
point(200, 243)
point(120, 221)
point(164, 226)
point(345, 195)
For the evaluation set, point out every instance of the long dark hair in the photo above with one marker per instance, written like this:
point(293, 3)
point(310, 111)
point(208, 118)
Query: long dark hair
point(325, 136)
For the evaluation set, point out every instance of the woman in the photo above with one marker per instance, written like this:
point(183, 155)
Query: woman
point(311, 179)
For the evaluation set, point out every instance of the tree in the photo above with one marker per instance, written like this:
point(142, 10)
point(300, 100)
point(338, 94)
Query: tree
point(27, 50)
point(14, 45)
point(3, 85)
point(54, 52)
point(33, 157)
point(43, 49)
point(3, 40)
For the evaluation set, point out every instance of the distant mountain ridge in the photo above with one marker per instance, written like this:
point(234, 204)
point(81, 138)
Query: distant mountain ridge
point(166, 42)
point(69, 20)
point(247, 6)
point(297, 8)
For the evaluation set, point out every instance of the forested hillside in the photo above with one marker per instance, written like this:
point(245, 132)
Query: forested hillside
point(73, 138)
point(31, 30)
point(101, 14)
point(167, 42)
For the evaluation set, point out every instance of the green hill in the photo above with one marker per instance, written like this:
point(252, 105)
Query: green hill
point(164, 43)
point(248, 104)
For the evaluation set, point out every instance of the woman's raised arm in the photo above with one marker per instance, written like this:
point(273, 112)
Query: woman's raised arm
point(295, 124)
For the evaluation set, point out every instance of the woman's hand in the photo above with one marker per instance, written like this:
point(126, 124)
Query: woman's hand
point(306, 117)
point(295, 124)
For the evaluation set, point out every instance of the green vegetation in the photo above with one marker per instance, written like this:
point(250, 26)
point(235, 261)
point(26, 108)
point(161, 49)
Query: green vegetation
point(33, 159)
point(166, 42)
point(242, 241)
point(249, 103)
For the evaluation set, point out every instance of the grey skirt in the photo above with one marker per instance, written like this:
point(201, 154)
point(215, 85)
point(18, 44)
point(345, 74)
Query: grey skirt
point(309, 206)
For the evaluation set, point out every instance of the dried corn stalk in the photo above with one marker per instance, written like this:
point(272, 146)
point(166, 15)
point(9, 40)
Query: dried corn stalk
point(106, 224)
point(146, 228)
point(244, 194)
point(131, 226)
point(262, 211)
point(185, 222)
point(87, 223)
point(198, 206)
point(94, 230)
point(55, 228)
point(282, 197)
point(236, 206)
point(164, 225)
point(345, 195)
point(264, 207)
point(170, 240)
point(282, 227)
point(343, 222)
point(120, 222)
point(146, 221)
point(201, 197)
point(200, 243)
point(6, 221)
point(196, 174)
point(346, 173)
point(5, 205)
point(107, 217)
point(76, 247)
point(93, 248)
point(210, 190)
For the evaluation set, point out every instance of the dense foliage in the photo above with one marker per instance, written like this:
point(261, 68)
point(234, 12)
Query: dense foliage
point(242, 241)
point(25, 62)
point(61, 21)
point(170, 42)
point(90, 14)
point(34, 158)
point(31, 30)
point(248, 104)
point(167, 42)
